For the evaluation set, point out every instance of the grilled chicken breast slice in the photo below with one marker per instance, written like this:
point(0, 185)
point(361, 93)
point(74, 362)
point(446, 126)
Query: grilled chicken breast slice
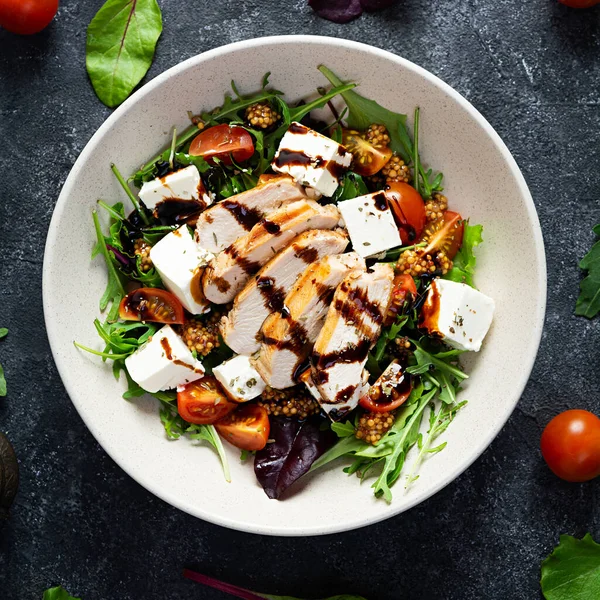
point(351, 328)
point(229, 272)
point(265, 292)
point(288, 335)
point(222, 224)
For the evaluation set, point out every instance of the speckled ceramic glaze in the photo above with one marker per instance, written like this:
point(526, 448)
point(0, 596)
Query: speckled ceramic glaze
point(483, 182)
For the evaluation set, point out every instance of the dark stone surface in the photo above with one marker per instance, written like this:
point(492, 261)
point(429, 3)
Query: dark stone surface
point(532, 69)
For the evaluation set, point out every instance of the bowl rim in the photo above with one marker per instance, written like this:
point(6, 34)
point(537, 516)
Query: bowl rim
point(541, 283)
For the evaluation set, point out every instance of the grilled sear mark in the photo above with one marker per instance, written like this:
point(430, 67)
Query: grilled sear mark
point(265, 293)
point(351, 328)
point(242, 259)
point(288, 336)
point(221, 224)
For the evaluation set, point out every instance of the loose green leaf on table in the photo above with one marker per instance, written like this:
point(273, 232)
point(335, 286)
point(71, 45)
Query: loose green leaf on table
point(58, 593)
point(572, 571)
point(238, 592)
point(3, 333)
point(588, 302)
point(121, 40)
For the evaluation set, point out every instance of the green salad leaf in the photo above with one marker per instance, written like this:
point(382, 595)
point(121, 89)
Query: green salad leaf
point(58, 593)
point(572, 571)
point(121, 40)
point(402, 441)
point(588, 302)
point(465, 260)
point(3, 334)
point(438, 423)
point(351, 186)
point(115, 291)
point(437, 386)
point(363, 112)
point(176, 427)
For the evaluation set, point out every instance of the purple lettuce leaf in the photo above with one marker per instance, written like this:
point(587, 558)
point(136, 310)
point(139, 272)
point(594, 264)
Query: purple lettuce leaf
point(297, 445)
point(338, 11)
point(372, 5)
point(342, 11)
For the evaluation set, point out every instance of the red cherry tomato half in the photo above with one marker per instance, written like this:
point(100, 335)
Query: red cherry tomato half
point(247, 428)
point(223, 142)
point(389, 392)
point(580, 3)
point(27, 17)
point(445, 234)
point(408, 209)
point(151, 304)
point(203, 402)
point(366, 159)
point(571, 445)
point(404, 288)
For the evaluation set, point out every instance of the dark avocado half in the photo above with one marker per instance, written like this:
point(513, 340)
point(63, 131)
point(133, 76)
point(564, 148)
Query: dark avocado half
point(9, 476)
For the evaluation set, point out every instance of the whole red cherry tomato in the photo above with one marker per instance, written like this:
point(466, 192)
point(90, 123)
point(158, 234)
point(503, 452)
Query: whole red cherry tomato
point(571, 445)
point(26, 17)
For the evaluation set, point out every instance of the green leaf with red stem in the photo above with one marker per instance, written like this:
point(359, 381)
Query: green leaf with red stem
point(244, 594)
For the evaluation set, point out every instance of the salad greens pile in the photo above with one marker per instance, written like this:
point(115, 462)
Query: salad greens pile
point(441, 379)
point(434, 367)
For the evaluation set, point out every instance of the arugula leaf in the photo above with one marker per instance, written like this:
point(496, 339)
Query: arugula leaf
point(121, 40)
point(58, 593)
point(441, 361)
point(363, 112)
point(176, 427)
point(3, 333)
point(343, 429)
point(588, 302)
point(238, 592)
point(402, 441)
point(572, 571)
point(115, 291)
point(148, 171)
point(351, 186)
point(438, 423)
point(209, 434)
point(465, 261)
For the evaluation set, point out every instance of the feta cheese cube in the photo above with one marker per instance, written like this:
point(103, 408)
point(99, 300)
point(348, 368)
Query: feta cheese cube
point(458, 313)
point(184, 184)
point(312, 159)
point(163, 363)
point(179, 262)
point(240, 379)
point(370, 223)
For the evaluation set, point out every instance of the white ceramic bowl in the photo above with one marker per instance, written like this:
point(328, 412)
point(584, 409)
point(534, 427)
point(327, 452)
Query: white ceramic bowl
point(482, 182)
